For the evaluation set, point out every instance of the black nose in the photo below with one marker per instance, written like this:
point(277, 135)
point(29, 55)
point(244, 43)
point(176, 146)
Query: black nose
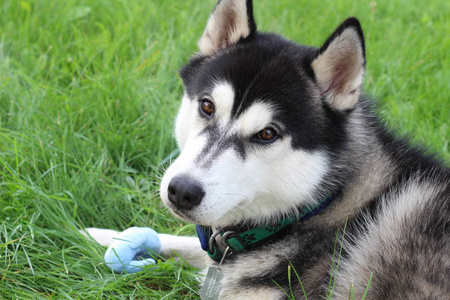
point(184, 192)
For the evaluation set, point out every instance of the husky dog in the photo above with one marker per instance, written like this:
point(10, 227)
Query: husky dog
point(280, 151)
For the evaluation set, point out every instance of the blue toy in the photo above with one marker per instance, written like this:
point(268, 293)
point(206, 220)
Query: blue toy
point(133, 250)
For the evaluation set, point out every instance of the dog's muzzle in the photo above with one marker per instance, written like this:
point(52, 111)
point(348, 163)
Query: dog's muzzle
point(185, 192)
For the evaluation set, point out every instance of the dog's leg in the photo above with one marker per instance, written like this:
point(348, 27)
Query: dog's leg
point(177, 247)
point(104, 237)
point(186, 248)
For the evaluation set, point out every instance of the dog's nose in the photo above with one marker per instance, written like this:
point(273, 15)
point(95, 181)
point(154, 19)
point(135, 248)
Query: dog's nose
point(184, 192)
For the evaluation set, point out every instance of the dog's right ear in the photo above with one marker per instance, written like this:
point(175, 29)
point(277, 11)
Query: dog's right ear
point(340, 64)
point(231, 21)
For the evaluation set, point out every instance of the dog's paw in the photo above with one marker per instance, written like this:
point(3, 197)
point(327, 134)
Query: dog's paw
point(104, 237)
point(133, 250)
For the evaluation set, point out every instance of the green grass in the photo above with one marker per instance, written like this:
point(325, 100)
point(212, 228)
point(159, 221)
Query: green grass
point(88, 93)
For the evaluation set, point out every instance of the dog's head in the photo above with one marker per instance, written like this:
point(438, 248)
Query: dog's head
point(260, 120)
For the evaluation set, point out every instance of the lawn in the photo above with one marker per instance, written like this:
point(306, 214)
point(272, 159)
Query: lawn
point(88, 93)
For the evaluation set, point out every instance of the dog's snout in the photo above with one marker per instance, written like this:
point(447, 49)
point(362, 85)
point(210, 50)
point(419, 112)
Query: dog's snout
point(184, 192)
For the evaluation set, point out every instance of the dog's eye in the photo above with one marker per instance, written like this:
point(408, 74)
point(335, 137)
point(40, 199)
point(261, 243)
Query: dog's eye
point(268, 134)
point(206, 107)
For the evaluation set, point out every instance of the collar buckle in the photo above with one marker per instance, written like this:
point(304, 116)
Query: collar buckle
point(212, 241)
point(229, 239)
point(234, 241)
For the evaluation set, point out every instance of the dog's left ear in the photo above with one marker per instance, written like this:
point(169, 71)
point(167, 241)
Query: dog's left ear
point(231, 21)
point(340, 64)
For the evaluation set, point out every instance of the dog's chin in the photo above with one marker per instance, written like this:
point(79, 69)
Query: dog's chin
point(191, 217)
point(180, 214)
point(186, 216)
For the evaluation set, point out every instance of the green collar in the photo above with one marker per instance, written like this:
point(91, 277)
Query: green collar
point(239, 241)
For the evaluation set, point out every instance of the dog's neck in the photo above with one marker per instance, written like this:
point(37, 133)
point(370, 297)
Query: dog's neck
point(242, 237)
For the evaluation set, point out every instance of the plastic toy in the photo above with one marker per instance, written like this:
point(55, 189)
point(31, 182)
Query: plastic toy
point(134, 249)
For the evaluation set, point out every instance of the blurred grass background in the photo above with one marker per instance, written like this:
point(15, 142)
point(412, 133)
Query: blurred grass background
point(88, 93)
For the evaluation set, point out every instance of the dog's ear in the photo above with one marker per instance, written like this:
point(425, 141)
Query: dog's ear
point(340, 64)
point(231, 21)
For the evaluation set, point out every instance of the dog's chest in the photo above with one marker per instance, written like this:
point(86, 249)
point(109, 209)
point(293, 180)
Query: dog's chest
point(242, 277)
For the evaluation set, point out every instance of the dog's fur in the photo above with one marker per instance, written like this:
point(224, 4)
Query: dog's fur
point(393, 198)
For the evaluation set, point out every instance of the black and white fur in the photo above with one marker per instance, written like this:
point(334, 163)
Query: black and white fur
point(394, 198)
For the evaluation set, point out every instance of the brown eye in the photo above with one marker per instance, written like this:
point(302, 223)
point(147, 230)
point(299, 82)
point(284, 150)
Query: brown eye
point(267, 134)
point(207, 107)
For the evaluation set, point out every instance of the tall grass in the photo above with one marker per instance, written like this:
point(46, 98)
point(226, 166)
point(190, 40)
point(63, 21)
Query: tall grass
point(88, 92)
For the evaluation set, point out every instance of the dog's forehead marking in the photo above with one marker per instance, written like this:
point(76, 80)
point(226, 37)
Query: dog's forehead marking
point(254, 119)
point(223, 96)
